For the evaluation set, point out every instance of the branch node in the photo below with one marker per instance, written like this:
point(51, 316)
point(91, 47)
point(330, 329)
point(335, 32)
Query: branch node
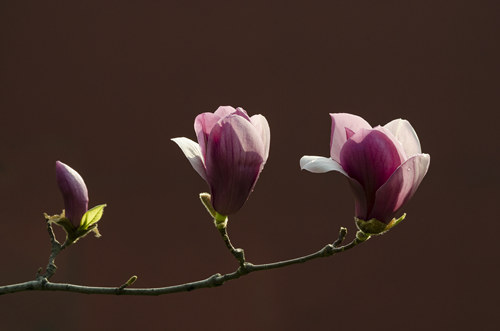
point(43, 281)
point(129, 282)
point(328, 250)
point(38, 273)
point(361, 236)
point(245, 268)
point(341, 237)
point(239, 254)
point(216, 280)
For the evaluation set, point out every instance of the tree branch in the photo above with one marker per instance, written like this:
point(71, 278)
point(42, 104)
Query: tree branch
point(42, 283)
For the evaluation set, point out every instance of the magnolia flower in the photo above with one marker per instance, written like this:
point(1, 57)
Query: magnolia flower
point(384, 166)
point(74, 192)
point(231, 151)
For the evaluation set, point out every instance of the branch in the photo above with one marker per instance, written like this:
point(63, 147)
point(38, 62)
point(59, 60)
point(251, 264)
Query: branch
point(42, 283)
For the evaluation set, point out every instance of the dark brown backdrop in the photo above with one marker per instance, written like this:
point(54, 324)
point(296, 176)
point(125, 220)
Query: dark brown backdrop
point(104, 85)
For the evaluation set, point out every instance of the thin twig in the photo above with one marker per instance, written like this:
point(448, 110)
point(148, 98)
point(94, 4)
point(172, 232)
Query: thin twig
point(340, 239)
point(238, 253)
point(56, 248)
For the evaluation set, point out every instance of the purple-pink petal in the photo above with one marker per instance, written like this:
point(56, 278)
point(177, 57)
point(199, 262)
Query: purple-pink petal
point(360, 198)
point(224, 111)
point(341, 122)
point(203, 124)
point(234, 159)
point(242, 112)
point(406, 135)
point(74, 192)
point(399, 188)
point(397, 144)
point(370, 157)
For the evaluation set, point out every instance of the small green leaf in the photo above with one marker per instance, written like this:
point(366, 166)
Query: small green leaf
point(91, 217)
point(375, 227)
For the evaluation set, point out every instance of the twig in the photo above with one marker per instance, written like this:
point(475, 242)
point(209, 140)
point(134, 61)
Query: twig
point(56, 248)
point(238, 253)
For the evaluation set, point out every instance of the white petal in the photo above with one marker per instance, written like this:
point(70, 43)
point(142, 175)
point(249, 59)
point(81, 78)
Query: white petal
point(406, 135)
point(320, 164)
point(193, 153)
point(262, 127)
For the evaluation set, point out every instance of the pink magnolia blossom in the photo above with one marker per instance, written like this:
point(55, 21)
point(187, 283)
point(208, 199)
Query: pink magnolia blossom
point(384, 165)
point(231, 152)
point(74, 192)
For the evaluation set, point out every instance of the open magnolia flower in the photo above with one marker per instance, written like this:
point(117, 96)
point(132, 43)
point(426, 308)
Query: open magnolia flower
point(231, 152)
point(384, 166)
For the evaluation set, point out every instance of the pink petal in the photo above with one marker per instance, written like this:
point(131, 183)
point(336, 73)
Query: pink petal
point(203, 124)
point(242, 112)
point(193, 153)
point(397, 144)
point(224, 111)
point(349, 133)
point(234, 160)
point(341, 121)
point(406, 135)
point(262, 128)
point(370, 157)
point(400, 187)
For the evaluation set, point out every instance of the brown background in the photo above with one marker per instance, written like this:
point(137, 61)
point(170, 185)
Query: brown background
point(104, 85)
